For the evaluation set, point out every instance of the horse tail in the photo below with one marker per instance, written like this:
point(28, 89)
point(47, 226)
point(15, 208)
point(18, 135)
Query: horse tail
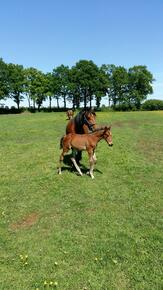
point(61, 143)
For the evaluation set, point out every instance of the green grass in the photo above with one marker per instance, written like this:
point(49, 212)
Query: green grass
point(101, 234)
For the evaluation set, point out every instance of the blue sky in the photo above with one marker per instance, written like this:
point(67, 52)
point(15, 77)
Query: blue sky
point(46, 34)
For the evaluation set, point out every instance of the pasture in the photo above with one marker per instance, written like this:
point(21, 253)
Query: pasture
point(73, 233)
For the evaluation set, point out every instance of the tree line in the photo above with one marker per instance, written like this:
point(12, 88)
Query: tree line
point(80, 84)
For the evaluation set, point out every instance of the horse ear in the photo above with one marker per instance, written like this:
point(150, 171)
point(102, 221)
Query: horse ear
point(92, 110)
point(82, 111)
point(109, 128)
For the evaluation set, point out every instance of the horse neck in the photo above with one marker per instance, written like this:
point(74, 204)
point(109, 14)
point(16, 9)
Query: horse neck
point(70, 128)
point(98, 135)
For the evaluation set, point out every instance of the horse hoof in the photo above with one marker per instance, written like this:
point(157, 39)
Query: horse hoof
point(80, 174)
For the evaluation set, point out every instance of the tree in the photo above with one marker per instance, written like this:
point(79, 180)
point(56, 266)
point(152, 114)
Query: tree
point(61, 75)
point(35, 86)
point(55, 88)
point(30, 75)
point(16, 82)
point(74, 92)
point(49, 88)
point(4, 89)
point(40, 88)
point(86, 81)
point(119, 83)
point(102, 84)
point(108, 70)
point(139, 84)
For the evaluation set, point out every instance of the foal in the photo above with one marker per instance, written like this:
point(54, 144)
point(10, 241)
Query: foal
point(86, 142)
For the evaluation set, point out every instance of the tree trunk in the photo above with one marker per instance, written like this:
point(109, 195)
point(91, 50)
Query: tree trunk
point(64, 101)
point(73, 102)
point(39, 107)
point(77, 102)
point(57, 102)
point(50, 103)
point(17, 100)
point(109, 101)
point(98, 100)
point(90, 102)
point(34, 104)
point(29, 103)
point(85, 100)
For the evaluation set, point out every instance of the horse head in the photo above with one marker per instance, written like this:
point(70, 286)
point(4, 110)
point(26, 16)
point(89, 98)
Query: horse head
point(89, 120)
point(107, 135)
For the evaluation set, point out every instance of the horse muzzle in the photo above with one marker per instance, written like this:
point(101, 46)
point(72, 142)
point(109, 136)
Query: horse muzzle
point(110, 144)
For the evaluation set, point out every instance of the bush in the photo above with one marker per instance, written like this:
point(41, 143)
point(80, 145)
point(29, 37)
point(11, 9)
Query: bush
point(124, 107)
point(12, 110)
point(104, 108)
point(151, 105)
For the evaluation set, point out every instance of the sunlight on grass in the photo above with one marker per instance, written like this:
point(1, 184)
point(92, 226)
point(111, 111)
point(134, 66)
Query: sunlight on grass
point(71, 232)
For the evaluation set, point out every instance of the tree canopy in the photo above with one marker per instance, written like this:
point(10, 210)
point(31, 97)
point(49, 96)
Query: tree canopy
point(78, 85)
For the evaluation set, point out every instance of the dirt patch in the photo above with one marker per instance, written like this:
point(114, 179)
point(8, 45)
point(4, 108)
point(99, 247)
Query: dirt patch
point(26, 113)
point(151, 150)
point(118, 124)
point(26, 222)
point(130, 123)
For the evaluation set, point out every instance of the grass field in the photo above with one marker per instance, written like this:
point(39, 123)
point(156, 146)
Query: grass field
point(74, 233)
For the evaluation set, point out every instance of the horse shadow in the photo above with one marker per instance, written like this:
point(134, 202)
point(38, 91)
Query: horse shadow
point(70, 166)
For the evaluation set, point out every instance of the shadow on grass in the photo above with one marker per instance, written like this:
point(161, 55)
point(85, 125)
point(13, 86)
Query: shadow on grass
point(70, 167)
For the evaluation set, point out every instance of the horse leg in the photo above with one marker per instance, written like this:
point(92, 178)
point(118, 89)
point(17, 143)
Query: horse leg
point(91, 168)
point(61, 159)
point(92, 162)
point(78, 156)
point(76, 166)
point(94, 157)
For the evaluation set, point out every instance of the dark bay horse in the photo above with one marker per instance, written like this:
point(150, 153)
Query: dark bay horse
point(86, 142)
point(83, 123)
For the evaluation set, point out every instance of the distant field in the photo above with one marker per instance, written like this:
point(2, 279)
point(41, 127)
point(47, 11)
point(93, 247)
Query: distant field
point(78, 233)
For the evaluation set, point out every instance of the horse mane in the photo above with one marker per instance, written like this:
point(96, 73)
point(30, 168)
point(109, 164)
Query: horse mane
point(79, 122)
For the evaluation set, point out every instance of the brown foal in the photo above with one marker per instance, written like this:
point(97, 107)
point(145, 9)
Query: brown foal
point(87, 142)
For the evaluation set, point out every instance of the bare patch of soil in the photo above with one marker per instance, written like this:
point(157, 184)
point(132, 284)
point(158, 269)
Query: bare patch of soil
point(130, 123)
point(151, 150)
point(26, 222)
